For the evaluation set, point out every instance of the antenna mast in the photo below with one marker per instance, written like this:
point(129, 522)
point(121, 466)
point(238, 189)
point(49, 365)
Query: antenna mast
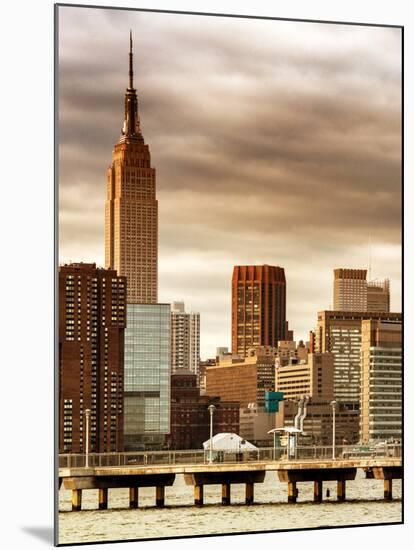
point(369, 259)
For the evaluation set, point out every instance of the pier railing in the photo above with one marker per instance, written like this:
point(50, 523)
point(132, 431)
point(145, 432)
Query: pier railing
point(144, 458)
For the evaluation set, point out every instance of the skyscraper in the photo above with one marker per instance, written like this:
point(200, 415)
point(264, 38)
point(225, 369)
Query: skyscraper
point(131, 247)
point(147, 376)
point(350, 290)
point(258, 307)
point(185, 339)
point(131, 210)
point(92, 315)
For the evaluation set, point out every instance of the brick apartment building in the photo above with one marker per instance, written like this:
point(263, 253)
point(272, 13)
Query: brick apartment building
point(92, 312)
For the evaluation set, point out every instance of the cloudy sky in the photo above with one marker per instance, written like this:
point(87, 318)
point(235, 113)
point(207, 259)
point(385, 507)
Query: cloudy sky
point(274, 142)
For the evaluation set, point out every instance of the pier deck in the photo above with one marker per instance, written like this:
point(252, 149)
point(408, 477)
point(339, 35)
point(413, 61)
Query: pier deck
point(225, 474)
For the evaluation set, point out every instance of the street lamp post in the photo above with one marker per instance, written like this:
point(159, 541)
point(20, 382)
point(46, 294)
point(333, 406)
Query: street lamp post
point(273, 431)
point(333, 404)
point(87, 415)
point(211, 408)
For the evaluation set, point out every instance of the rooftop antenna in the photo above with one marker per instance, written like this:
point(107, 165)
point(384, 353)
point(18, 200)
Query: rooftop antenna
point(369, 258)
point(131, 69)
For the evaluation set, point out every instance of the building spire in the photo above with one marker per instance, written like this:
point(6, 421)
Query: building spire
point(369, 259)
point(131, 66)
point(131, 128)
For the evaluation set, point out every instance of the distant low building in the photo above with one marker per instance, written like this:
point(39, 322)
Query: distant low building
point(288, 349)
point(318, 423)
point(190, 416)
point(255, 423)
point(313, 377)
point(243, 379)
point(202, 373)
point(222, 351)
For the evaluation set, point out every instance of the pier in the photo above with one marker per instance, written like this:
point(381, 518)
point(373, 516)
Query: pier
point(247, 472)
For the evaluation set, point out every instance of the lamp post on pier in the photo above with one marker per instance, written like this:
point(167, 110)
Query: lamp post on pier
point(211, 408)
point(274, 440)
point(333, 404)
point(87, 415)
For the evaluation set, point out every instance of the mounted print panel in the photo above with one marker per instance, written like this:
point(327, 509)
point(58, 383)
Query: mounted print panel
point(229, 332)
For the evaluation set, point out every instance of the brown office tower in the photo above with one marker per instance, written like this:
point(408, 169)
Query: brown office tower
point(131, 209)
point(92, 309)
point(258, 307)
point(350, 290)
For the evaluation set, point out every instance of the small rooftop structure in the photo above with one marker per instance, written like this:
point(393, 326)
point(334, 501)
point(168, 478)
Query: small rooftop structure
point(286, 429)
point(229, 442)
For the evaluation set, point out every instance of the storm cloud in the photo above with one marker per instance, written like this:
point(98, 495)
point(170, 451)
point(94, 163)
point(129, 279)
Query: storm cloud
point(274, 142)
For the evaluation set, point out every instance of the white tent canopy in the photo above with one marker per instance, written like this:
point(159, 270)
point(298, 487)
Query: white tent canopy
point(229, 442)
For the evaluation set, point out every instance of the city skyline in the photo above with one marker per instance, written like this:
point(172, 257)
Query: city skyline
point(229, 183)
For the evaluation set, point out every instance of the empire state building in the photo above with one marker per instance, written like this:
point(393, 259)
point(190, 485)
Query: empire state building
point(131, 209)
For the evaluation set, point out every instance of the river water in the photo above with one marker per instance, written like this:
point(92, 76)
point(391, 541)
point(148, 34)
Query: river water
point(364, 505)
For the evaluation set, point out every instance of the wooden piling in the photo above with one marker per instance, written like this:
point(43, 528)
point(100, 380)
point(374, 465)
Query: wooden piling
point(317, 491)
point(76, 500)
point(198, 495)
point(225, 493)
point(133, 497)
point(249, 493)
point(341, 490)
point(388, 489)
point(292, 491)
point(103, 499)
point(160, 496)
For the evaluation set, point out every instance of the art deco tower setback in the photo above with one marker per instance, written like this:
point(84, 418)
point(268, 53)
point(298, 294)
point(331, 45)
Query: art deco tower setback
point(131, 209)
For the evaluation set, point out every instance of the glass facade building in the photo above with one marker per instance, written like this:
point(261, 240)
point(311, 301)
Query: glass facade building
point(381, 381)
point(340, 333)
point(345, 342)
point(147, 375)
